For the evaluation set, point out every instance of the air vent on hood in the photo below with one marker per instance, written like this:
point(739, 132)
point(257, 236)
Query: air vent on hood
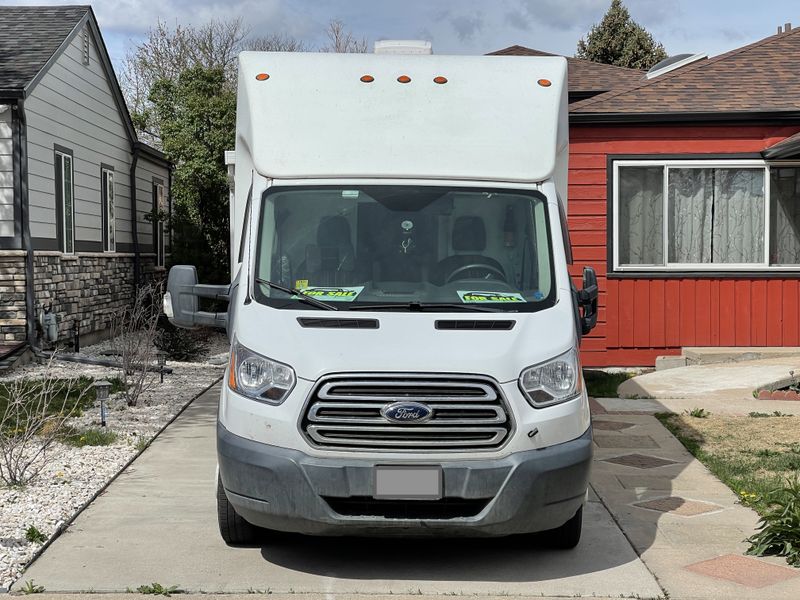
point(478, 325)
point(338, 323)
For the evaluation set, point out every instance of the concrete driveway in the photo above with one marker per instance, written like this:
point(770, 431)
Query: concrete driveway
point(157, 523)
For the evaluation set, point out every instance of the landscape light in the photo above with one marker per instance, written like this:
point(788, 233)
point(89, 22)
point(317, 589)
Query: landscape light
point(161, 357)
point(102, 388)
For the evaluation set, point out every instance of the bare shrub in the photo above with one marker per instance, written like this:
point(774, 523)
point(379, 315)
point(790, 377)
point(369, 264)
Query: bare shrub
point(32, 416)
point(133, 334)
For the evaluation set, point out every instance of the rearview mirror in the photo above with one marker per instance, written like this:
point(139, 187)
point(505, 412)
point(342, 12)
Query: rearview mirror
point(587, 300)
point(181, 300)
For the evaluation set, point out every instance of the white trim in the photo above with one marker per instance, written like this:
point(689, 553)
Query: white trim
point(109, 206)
point(686, 267)
point(768, 201)
point(63, 248)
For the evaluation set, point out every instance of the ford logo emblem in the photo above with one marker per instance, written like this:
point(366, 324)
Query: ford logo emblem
point(406, 412)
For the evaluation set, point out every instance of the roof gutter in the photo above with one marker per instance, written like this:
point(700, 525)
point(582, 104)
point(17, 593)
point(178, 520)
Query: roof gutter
point(786, 149)
point(135, 220)
point(686, 117)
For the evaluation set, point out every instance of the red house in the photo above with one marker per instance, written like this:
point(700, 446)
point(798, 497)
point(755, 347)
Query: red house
point(684, 195)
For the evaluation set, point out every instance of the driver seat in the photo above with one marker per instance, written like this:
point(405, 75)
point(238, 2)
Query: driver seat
point(469, 238)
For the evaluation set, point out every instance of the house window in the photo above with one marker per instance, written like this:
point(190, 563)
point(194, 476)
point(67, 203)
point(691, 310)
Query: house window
point(159, 215)
point(704, 215)
point(65, 202)
point(107, 199)
point(784, 232)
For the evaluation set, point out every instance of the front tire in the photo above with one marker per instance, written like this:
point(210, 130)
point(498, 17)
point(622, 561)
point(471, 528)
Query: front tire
point(568, 535)
point(232, 527)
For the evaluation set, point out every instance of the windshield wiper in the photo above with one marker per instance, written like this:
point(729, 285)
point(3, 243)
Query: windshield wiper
point(420, 306)
point(301, 296)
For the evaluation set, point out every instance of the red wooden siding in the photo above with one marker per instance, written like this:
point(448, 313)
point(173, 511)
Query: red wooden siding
point(640, 319)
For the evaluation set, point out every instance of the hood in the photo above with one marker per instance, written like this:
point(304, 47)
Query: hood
point(406, 341)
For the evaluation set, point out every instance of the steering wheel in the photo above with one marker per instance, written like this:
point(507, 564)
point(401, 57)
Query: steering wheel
point(492, 272)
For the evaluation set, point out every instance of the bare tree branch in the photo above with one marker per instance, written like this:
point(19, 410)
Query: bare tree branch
point(340, 39)
point(34, 416)
point(276, 42)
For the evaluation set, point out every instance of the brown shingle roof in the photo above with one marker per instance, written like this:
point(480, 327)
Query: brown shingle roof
point(584, 75)
point(762, 77)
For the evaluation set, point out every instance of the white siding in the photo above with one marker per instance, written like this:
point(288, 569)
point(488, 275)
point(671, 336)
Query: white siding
point(6, 174)
point(73, 106)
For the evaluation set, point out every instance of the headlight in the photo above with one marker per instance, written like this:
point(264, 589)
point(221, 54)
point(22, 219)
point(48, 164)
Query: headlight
point(555, 381)
point(259, 377)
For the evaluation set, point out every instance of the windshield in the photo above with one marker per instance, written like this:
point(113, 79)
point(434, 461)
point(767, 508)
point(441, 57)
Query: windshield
point(402, 246)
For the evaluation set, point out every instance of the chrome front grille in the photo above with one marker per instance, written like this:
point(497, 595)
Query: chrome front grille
point(467, 413)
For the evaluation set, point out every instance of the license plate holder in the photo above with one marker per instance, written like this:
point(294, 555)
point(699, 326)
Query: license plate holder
point(407, 482)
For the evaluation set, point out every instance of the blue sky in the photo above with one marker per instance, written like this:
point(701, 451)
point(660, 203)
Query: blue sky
point(458, 26)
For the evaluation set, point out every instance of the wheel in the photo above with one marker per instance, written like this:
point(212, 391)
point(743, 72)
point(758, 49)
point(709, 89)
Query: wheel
point(568, 535)
point(233, 528)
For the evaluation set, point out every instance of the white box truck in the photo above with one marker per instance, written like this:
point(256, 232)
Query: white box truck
point(422, 199)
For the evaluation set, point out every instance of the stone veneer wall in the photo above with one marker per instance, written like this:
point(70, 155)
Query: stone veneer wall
point(12, 296)
point(88, 287)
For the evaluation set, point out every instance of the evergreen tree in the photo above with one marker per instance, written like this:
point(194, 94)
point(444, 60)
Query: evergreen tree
point(621, 41)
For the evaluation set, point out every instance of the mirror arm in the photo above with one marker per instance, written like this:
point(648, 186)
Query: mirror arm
point(204, 290)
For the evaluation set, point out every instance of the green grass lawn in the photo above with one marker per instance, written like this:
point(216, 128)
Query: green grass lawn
point(70, 396)
point(752, 455)
point(600, 384)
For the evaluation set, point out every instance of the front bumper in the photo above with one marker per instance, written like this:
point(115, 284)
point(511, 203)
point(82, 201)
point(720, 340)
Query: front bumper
point(286, 490)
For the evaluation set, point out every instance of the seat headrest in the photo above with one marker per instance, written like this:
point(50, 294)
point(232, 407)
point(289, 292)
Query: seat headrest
point(469, 234)
point(333, 231)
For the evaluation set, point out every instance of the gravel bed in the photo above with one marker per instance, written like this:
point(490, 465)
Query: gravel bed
point(73, 475)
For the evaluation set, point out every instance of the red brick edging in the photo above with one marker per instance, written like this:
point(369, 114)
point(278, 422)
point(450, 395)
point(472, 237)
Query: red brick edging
point(778, 395)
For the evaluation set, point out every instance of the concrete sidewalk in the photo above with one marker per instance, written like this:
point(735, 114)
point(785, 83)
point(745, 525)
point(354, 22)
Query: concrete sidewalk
point(724, 381)
point(686, 525)
point(157, 523)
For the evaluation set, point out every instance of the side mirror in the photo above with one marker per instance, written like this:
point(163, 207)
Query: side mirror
point(587, 300)
point(181, 300)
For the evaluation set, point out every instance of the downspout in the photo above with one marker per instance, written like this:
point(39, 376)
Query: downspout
point(21, 154)
point(135, 221)
point(169, 208)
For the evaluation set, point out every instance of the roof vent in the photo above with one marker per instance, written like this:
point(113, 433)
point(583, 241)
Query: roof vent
point(403, 47)
point(672, 63)
point(86, 45)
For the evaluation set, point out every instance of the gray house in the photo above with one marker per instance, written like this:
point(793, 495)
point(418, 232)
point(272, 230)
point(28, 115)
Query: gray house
point(77, 189)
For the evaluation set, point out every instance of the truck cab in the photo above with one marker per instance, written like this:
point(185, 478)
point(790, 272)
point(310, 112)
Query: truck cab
point(404, 331)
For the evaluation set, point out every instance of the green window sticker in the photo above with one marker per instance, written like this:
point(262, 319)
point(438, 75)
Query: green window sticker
point(478, 297)
point(334, 294)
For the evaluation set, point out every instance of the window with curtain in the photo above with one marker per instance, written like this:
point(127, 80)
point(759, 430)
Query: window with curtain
point(710, 216)
point(784, 248)
point(641, 215)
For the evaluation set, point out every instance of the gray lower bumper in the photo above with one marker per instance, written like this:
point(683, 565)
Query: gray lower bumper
point(284, 489)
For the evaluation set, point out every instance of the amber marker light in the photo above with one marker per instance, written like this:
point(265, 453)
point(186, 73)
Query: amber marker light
point(232, 371)
point(262, 76)
point(404, 79)
point(367, 78)
point(440, 79)
point(544, 82)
